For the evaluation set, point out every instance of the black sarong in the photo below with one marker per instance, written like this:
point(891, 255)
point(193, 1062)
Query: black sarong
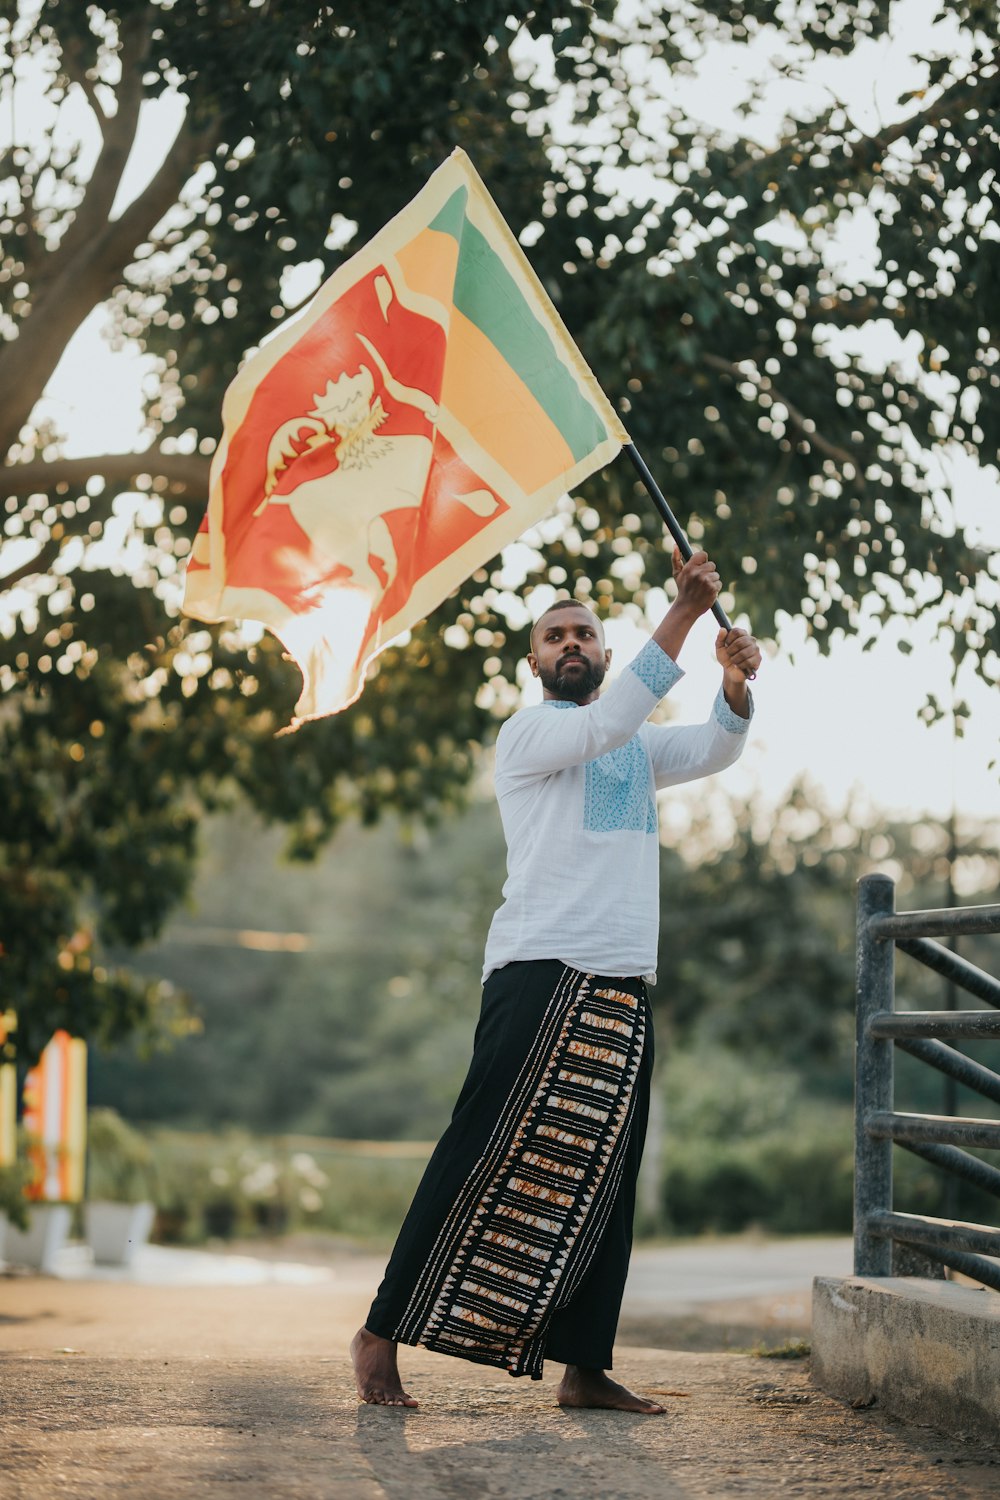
point(516, 1244)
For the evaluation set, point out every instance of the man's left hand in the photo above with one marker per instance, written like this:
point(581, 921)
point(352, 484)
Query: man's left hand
point(739, 656)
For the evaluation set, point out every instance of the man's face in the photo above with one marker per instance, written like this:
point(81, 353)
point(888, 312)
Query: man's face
point(569, 655)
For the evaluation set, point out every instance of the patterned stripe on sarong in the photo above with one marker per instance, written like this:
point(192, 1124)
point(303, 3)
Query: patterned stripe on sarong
point(526, 1225)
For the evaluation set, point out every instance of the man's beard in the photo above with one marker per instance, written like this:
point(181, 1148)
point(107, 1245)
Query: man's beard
point(577, 683)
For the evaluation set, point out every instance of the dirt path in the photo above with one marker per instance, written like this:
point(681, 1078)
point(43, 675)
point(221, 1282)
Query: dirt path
point(182, 1393)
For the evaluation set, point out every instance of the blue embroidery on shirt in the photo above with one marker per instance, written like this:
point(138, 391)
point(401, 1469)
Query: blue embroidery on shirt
point(616, 792)
point(655, 669)
point(730, 720)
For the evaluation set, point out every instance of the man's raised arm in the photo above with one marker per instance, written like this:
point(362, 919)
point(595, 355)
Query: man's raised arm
point(533, 744)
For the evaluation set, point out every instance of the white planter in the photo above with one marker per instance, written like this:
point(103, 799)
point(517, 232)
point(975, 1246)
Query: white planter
point(45, 1236)
point(115, 1231)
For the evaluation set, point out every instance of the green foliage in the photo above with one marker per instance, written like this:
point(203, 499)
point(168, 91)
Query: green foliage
point(362, 1026)
point(794, 1183)
point(719, 319)
point(14, 1178)
point(757, 938)
point(749, 1146)
point(119, 1161)
point(749, 1142)
point(362, 1029)
point(791, 1176)
point(238, 1184)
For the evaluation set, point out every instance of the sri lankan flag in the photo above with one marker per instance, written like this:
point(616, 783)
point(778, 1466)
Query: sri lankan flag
point(425, 410)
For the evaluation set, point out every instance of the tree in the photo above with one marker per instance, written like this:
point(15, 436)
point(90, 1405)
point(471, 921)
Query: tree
point(361, 1024)
point(122, 724)
point(758, 931)
point(305, 129)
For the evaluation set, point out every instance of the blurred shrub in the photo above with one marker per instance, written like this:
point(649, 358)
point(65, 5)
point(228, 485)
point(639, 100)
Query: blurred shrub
point(120, 1165)
point(746, 1147)
point(234, 1184)
point(796, 1184)
point(14, 1178)
point(789, 1175)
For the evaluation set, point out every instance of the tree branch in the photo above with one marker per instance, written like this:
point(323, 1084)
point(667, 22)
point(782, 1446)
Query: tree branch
point(119, 137)
point(843, 313)
point(93, 99)
point(947, 102)
point(136, 224)
point(950, 101)
point(81, 284)
point(93, 253)
point(76, 69)
point(796, 417)
point(40, 563)
point(182, 471)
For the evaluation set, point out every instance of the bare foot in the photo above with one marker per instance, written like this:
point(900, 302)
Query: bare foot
point(580, 1387)
point(376, 1371)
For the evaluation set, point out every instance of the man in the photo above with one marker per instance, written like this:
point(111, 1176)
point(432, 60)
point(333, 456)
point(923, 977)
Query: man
point(517, 1243)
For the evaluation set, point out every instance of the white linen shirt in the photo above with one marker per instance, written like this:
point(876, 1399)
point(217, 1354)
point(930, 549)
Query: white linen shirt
point(576, 786)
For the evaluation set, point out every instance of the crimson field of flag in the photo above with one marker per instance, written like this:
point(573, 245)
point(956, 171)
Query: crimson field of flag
point(427, 408)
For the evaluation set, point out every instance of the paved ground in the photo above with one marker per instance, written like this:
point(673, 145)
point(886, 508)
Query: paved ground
point(184, 1391)
point(729, 1294)
point(733, 1294)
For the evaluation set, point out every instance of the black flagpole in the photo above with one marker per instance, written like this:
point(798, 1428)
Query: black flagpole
point(672, 524)
point(670, 521)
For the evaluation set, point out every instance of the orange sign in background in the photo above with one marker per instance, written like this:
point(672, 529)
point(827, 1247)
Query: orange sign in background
point(55, 1116)
point(8, 1089)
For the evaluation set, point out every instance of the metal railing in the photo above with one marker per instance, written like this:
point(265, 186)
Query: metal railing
point(939, 1139)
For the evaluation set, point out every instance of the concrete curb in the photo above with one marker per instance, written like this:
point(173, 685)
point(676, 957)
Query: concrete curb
point(926, 1351)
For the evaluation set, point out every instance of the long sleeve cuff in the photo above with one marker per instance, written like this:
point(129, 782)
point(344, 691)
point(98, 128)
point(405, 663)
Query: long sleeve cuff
point(730, 721)
point(655, 669)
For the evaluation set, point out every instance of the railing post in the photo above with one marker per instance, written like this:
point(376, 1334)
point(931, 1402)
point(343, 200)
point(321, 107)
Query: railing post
point(873, 1077)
